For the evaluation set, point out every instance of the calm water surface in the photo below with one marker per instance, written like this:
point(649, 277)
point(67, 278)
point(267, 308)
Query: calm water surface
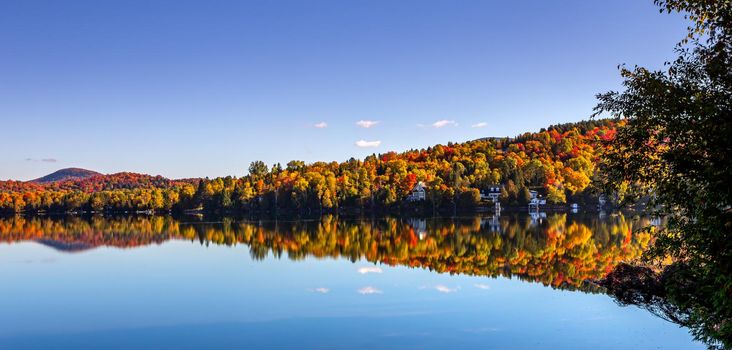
point(513, 282)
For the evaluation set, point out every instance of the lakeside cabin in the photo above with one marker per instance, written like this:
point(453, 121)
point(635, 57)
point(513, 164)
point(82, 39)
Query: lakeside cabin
point(535, 201)
point(419, 193)
point(492, 193)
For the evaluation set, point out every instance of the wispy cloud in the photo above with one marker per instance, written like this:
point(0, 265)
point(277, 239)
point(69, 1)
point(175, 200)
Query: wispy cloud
point(321, 125)
point(370, 269)
point(368, 144)
point(45, 160)
point(479, 125)
point(445, 289)
point(443, 123)
point(369, 290)
point(482, 286)
point(321, 290)
point(367, 123)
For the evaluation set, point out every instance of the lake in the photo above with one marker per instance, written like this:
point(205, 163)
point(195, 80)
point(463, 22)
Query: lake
point(508, 282)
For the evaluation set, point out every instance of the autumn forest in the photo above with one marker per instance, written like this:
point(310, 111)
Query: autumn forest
point(558, 162)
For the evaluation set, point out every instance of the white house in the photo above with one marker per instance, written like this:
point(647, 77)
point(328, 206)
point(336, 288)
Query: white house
point(492, 193)
point(419, 193)
point(534, 194)
point(535, 201)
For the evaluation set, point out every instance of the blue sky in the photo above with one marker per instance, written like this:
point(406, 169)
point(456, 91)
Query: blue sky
point(195, 88)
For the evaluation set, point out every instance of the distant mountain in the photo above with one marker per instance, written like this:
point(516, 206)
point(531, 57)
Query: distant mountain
point(75, 179)
point(66, 174)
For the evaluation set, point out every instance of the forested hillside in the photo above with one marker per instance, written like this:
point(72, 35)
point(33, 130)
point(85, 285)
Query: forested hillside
point(559, 162)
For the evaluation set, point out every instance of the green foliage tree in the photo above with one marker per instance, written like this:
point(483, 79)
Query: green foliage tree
point(257, 169)
point(677, 149)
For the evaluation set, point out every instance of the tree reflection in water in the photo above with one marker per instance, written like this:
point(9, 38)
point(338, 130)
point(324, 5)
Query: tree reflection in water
point(560, 251)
